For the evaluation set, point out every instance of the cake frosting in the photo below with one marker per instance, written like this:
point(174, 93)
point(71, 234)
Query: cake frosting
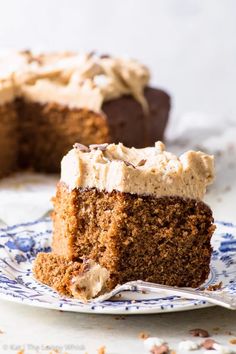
point(75, 80)
point(10, 62)
point(90, 283)
point(148, 171)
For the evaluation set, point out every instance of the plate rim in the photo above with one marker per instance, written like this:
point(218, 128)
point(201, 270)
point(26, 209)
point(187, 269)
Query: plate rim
point(109, 310)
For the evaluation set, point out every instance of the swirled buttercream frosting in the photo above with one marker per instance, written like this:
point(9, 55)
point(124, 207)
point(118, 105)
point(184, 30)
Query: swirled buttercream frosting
point(71, 79)
point(148, 171)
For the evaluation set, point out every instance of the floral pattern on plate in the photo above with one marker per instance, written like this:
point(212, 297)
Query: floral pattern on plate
point(19, 245)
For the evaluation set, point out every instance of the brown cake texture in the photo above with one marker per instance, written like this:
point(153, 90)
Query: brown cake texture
point(37, 132)
point(47, 132)
point(138, 213)
point(56, 271)
point(162, 240)
point(9, 139)
point(81, 278)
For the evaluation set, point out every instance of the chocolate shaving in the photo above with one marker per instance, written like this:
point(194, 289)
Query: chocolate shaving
point(104, 56)
point(198, 332)
point(160, 349)
point(25, 51)
point(127, 163)
point(81, 147)
point(86, 265)
point(142, 162)
point(208, 344)
point(101, 147)
point(92, 53)
point(36, 60)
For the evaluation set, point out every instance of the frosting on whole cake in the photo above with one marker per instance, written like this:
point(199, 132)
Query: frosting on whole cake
point(148, 171)
point(75, 80)
point(10, 62)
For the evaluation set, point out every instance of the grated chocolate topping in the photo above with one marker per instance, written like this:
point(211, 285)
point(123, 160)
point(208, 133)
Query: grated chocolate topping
point(81, 147)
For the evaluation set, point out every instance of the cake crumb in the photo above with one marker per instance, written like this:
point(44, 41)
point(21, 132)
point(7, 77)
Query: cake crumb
point(120, 318)
point(233, 341)
point(161, 349)
point(153, 344)
point(215, 287)
point(102, 350)
point(143, 335)
point(198, 332)
point(208, 344)
point(229, 333)
point(1, 332)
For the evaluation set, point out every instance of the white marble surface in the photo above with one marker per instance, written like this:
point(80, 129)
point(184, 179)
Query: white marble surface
point(29, 328)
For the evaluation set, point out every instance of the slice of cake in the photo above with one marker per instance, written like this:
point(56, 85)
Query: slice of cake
point(83, 280)
point(137, 212)
point(53, 100)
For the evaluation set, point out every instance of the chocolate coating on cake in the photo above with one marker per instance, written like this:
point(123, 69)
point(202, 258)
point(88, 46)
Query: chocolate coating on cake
point(130, 125)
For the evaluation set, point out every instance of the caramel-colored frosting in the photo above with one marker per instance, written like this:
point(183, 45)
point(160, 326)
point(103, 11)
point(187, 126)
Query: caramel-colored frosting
point(148, 171)
point(74, 80)
point(10, 62)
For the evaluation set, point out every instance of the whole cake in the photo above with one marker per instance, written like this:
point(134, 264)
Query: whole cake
point(49, 101)
point(136, 212)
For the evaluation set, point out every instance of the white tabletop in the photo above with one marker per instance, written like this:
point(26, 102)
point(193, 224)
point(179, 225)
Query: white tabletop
point(27, 197)
point(73, 333)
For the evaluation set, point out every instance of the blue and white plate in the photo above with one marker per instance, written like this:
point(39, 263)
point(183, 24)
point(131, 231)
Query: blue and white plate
point(19, 245)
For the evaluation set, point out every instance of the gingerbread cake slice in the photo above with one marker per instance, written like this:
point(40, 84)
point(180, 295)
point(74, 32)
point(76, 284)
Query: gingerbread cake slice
point(137, 212)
